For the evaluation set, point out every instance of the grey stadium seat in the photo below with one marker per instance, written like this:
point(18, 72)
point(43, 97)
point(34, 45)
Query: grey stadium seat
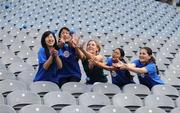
point(19, 98)
point(147, 109)
point(160, 101)
point(114, 109)
point(93, 100)
point(36, 108)
point(43, 87)
point(130, 101)
point(76, 109)
point(58, 100)
point(6, 109)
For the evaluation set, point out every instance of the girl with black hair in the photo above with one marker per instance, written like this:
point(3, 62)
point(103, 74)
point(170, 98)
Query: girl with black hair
point(70, 55)
point(120, 77)
point(145, 67)
point(48, 57)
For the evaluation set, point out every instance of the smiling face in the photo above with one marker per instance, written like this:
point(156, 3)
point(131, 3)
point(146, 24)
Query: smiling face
point(65, 35)
point(50, 40)
point(116, 55)
point(92, 47)
point(144, 56)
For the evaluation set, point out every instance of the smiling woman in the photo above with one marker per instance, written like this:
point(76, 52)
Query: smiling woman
point(145, 67)
point(48, 57)
point(94, 73)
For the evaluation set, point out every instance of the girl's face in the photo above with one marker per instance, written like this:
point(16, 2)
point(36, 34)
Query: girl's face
point(50, 40)
point(143, 56)
point(116, 55)
point(65, 35)
point(92, 47)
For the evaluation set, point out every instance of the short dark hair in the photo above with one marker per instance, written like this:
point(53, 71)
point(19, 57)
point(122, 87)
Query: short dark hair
point(60, 31)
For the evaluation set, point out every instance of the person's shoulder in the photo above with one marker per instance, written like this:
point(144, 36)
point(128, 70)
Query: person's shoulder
point(41, 50)
point(99, 57)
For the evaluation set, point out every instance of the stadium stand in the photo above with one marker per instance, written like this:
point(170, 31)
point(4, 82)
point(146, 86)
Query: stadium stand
point(129, 24)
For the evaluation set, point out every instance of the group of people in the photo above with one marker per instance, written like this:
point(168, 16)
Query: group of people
point(58, 62)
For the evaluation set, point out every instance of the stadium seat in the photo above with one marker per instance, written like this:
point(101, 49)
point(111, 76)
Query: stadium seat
point(137, 89)
point(113, 109)
point(58, 100)
point(6, 109)
point(43, 87)
point(93, 100)
point(4, 74)
point(130, 101)
point(175, 110)
point(8, 86)
point(19, 98)
point(35, 108)
point(74, 88)
point(1, 99)
point(147, 109)
point(106, 89)
point(76, 109)
point(165, 90)
point(160, 101)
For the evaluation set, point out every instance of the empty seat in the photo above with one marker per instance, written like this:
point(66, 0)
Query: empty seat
point(129, 101)
point(147, 109)
point(172, 81)
point(113, 109)
point(4, 74)
point(106, 88)
point(138, 89)
point(58, 100)
point(1, 99)
point(35, 108)
point(6, 109)
point(175, 110)
point(178, 101)
point(26, 76)
point(18, 67)
point(19, 98)
point(76, 109)
point(74, 88)
point(160, 101)
point(165, 90)
point(7, 86)
point(43, 87)
point(93, 100)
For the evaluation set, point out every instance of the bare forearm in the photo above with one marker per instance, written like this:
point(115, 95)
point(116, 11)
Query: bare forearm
point(48, 63)
point(58, 62)
point(79, 53)
point(104, 66)
point(137, 70)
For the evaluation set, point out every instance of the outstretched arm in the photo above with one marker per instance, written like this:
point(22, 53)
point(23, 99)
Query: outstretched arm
point(131, 67)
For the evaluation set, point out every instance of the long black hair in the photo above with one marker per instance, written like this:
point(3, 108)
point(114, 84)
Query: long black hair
point(44, 45)
point(152, 59)
point(122, 54)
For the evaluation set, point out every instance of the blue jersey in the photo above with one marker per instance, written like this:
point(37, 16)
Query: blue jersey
point(70, 65)
point(43, 74)
point(120, 77)
point(151, 78)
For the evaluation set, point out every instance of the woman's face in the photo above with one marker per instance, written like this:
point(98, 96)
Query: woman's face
point(92, 47)
point(50, 40)
point(116, 55)
point(143, 56)
point(65, 35)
